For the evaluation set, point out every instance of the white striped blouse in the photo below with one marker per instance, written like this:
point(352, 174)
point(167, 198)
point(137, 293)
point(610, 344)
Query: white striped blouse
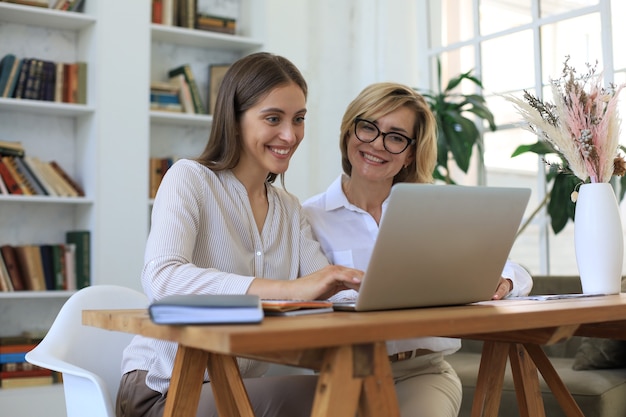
point(204, 239)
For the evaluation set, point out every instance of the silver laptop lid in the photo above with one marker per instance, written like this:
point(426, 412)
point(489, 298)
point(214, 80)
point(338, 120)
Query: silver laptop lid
point(441, 245)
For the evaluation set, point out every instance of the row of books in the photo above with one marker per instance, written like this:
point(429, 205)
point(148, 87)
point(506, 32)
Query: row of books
point(45, 267)
point(158, 168)
point(185, 13)
point(21, 174)
point(68, 5)
point(179, 94)
point(15, 371)
point(39, 79)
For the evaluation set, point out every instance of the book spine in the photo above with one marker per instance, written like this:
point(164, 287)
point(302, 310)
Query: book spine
point(3, 187)
point(58, 266)
point(9, 180)
point(47, 266)
point(193, 86)
point(29, 176)
point(10, 259)
point(81, 238)
point(73, 184)
point(35, 169)
point(29, 259)
point(12, 81)
point(5, 280)
point(9, 163)
point(6, 65)
point(21, 80)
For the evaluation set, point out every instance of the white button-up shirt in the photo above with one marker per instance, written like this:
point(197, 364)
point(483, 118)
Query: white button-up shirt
point(347, 237)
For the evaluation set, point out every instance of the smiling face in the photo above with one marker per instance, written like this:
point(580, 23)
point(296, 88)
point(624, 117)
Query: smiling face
point(371, 161)
point(271, 131)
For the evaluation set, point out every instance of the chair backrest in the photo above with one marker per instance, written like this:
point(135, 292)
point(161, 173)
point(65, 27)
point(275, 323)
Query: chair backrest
point(89, 358)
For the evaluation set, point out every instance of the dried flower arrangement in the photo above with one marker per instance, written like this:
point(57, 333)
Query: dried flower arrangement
point(582, 127)
point(582, 124)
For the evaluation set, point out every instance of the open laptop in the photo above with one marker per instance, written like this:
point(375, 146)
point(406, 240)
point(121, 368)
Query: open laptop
point(440, 245)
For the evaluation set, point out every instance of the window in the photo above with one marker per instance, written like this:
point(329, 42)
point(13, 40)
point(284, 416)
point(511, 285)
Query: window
point(515, 45)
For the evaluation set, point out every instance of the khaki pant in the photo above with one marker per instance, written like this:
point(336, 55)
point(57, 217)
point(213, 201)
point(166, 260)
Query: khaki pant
point(426, 386)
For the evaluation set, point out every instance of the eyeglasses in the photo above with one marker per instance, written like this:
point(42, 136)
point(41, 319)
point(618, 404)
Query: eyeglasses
point(393, 142)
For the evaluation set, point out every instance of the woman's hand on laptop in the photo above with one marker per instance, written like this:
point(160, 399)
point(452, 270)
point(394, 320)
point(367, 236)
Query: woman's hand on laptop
point(327, 282)
point(505, 286)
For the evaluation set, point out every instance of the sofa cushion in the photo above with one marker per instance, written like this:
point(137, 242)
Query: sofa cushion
point(598, 353)
point(597, 393)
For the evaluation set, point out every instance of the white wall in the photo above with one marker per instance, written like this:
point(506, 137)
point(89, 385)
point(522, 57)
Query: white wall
point(340, 46)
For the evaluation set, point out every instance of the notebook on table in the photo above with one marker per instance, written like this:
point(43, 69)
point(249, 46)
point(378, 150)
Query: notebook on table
point(440, 245)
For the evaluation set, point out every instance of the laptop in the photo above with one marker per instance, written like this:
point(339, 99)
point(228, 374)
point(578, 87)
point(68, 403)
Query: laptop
point(440, 245)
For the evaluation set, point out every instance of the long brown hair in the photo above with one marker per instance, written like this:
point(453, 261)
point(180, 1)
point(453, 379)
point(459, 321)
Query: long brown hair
point(246, 82)
point(378, 99)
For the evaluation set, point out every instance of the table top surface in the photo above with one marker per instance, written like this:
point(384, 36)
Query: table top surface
point(341, 328)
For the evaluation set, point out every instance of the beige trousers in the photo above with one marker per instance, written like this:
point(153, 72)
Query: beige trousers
point(426, 386)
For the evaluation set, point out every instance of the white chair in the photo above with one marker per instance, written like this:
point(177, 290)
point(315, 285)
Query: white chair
point(89, 358)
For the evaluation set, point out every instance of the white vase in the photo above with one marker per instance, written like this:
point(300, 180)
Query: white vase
point(598, 239)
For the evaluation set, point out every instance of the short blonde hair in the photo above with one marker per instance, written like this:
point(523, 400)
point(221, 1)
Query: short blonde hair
point(379, 99)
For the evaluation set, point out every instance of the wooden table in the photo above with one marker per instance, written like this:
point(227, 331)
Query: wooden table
point(348, 350)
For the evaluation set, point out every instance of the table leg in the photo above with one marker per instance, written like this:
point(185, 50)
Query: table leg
point(378, 394)
point(526, 382)
point(337, 393)
point(356, 379)
point(558, 388)
point(186, 384)
point(490, 379)
point(231, 398)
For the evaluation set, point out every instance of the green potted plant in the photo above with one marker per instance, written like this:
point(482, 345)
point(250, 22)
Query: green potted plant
point(457, 116)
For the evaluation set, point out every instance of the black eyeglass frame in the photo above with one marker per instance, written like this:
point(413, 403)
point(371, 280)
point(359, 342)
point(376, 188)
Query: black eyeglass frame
point(410, 141)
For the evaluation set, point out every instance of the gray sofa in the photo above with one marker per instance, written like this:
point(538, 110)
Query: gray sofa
point(598, 392)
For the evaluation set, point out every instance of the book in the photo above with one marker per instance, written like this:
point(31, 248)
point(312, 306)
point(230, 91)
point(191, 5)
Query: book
point(9, 180)
point(81, 83)
point(193, 86)
point(216, 23)
point(281, 307)
point(69, 264)
point(206, 309)
point(157, 11)
point(54, 179)
point(35, 3)
point(29, 176)
point(48, 81)
point(30, 381)
point(48, 266)
point(31, 88)
point(58, 266)
point(10, 148)
point(22, 182)
point(6, 66)
point(12, 80)
point(82, 264)
point(12, 263)
point(3, 187)
point(5, 280)
point(59, 81)
point(31, 267)
point(69, 180)
point(184, 93)
point(20, 85)
point(34, 167)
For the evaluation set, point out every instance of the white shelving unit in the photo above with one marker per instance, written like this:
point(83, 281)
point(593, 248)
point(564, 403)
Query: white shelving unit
point(180, 135)
point(105, 145)
point(50, 131)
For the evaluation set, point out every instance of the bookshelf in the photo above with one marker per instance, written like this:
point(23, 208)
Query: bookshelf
point(105, 144)
point(179, 135)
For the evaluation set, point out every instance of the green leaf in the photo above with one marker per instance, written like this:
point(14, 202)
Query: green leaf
point(540, 148)
point(461, 134)
point(561, 208)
